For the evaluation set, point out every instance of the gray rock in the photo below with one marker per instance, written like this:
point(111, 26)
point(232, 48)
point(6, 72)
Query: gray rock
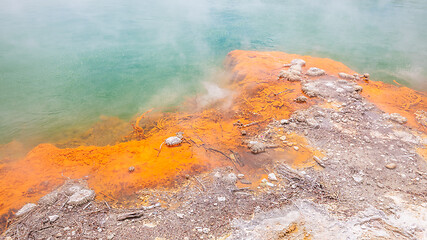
point(131, 169)
point(73, 189)
point(314, 72)
point(358, 88)
point(291, 75)
point(81, 197)
point(48, 199)
point(256, 147)
point(312, 122)
point(421, 117)
point(346, 76)
point(26, 209)
point(396, 117)
point(301, 99)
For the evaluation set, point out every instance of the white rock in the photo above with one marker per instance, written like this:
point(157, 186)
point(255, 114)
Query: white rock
point(283, 138)
point(312, 122)
point(315, 72)
point(217, 175)
point(53, 218)
point(398, 118)
point(296, 148)
point(270, 184)
point(206, 230)
point(298, 61)
point(180, 215)
point(81, 197)
point(221, 199)
point(173, 141)
point(25, 209)
point(231, 178)
point(357, 178)
point(240, 176)
point(346, 76)
point(272, 177)
point(284, 121)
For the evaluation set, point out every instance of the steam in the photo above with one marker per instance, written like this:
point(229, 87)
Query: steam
point(65, 63)
point(214, 94)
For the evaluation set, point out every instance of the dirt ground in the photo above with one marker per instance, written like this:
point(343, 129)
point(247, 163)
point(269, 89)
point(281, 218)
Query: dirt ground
point(366, 179)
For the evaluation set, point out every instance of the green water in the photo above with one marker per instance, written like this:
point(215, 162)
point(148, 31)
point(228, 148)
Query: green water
point(63, 64)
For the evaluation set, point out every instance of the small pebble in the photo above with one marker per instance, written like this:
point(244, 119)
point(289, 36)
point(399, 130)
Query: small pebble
point(358, 178)
point(272, 177)
point(391, 166)
point(296, 148)
point(221, 199)
point(53, 218)
point(131, 169)
point(284, 121)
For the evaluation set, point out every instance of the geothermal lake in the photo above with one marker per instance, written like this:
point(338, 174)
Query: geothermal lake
point(63, 64)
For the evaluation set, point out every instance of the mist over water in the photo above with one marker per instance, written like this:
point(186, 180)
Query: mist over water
point(63, 64)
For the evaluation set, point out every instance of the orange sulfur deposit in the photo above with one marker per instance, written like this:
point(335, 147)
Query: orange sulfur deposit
point(211, 136)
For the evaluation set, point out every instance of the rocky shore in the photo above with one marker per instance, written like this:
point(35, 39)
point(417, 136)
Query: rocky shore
point(303, 148)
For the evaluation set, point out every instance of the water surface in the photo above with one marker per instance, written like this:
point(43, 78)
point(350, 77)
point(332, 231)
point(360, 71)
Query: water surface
point(63, 64)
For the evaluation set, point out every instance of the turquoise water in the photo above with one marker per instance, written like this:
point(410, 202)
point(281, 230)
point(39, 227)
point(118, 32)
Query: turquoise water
point(63, 64)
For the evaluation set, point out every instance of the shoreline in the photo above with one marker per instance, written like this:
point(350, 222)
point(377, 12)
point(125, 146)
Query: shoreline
point(258, 100)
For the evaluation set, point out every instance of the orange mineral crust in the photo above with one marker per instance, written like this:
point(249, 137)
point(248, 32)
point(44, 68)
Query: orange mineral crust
point(397, 99)
point(212, 135)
